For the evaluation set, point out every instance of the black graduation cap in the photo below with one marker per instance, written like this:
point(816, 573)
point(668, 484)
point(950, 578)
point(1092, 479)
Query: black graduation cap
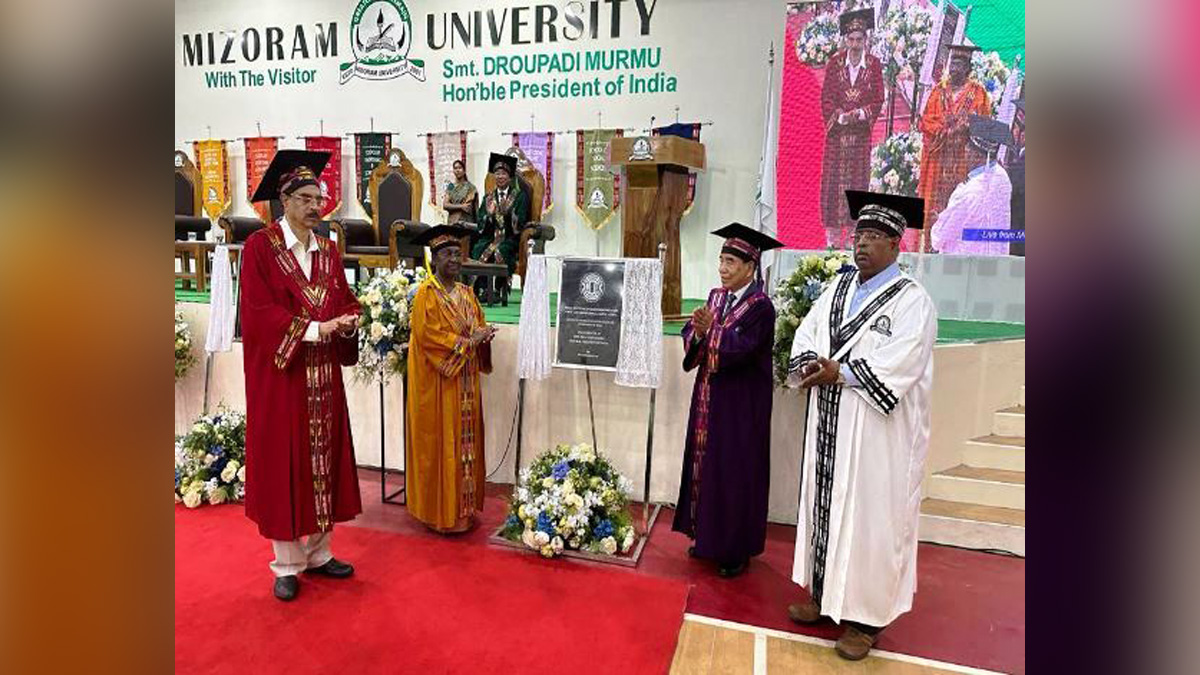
point(440, 236)
point(890, 213)
point(297, 167)
point(859, 19)
point(507, 161)
point(988, 133)
point(963, 49)
point(745, 242)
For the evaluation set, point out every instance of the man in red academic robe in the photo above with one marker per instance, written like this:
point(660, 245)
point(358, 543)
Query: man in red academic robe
point(851, 99)
point(299, 320)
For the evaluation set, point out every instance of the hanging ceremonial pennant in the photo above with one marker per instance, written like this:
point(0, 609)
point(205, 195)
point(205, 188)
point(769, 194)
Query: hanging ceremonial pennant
point(538, 147)
point(331, 177)
point(597, 188)
point(443, 149)
point(692, 133)
point(213, 161)
point(260, 150)
point(369, 151)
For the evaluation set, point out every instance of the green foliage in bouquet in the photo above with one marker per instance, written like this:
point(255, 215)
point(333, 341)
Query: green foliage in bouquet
point(794, 298)
point(571, 498)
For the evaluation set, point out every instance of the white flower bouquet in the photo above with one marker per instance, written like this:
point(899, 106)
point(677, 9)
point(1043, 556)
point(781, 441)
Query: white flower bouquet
point(988, 69)
point(383, 326)
point(571, 498)
point(184, 357)
point(819, 40)
point(210, 460)
point(901, 39)
point(896, 164)
point(794, 297)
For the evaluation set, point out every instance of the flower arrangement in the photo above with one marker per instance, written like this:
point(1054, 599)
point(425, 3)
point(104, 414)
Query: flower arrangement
point(900, 41)
point(184, 358)
point(383, 326)
point(794, 297)
point(896, 164)
point(988, 69)
point(571, 498)
point(819, 40)
point(210, 460)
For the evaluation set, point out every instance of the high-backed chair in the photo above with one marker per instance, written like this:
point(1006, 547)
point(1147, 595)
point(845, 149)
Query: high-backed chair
point(397, 190)
point(189, 220)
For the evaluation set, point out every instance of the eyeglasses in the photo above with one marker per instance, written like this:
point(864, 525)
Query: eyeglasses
point(870, 236)
point(309, 200)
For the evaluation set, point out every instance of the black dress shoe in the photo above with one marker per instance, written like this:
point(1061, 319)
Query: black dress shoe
point(730, 571)
point(333, 568)
point(287, 587)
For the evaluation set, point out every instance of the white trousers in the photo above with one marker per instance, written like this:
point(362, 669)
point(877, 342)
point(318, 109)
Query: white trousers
point(293, 557)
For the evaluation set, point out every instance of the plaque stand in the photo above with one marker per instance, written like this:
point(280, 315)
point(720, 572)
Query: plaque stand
point(649, 514)
point(384, 497)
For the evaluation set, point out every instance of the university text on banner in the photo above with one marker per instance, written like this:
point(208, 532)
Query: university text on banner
point(597, 188)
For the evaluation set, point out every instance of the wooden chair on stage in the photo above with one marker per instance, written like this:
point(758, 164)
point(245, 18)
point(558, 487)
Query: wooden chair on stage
point(396, 189)
point(191, 225)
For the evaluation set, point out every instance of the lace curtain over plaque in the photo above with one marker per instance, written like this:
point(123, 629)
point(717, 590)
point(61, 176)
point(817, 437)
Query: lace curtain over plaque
point(533, 332)
point(639, 361)
point(220, 324)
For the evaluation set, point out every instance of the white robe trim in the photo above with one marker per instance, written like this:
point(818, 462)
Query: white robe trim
point(882, 436)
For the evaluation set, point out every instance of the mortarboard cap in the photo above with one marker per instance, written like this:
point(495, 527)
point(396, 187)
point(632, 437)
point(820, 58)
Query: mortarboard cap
point(507, 161)
point(746, 243)
point(289, 170)
point(440, 236)
point(989, 134)
point(859, 19)
point(962, 49)
point(890, 213)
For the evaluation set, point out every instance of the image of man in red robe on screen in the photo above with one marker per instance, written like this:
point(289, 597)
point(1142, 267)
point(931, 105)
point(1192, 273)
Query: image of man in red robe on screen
point(851, 100)
point(299, 327)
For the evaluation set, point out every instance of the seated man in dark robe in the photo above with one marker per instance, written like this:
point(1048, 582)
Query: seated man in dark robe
point(503, 215)
point(727, 460)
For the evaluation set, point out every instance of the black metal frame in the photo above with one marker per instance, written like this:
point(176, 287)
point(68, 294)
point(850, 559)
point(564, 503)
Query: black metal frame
point(384, 497)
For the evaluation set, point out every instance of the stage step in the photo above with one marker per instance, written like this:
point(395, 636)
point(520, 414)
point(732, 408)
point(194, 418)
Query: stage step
point(1009, 421)
point(996, 452)
point(974, 485)
point(972, 525)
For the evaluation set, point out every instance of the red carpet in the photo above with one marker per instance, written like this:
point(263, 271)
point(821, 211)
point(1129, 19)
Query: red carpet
point(416, 604)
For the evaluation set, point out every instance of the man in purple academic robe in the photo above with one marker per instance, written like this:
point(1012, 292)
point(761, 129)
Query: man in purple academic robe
point(727, 462)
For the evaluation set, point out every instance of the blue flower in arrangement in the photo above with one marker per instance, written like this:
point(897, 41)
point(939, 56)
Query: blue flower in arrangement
point(384, 346)
point(177, 478)
point(217, 451)
point(603, 529)
point(846, 267)
point(812, 289)
point(560, 470)
point(511, 521)
point(544, 524)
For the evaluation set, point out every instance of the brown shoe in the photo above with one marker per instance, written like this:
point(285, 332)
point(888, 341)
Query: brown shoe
point(854, 644)
point(808, 612)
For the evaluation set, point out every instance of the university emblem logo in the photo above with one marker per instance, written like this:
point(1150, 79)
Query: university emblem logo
point(381, 35)
point(591, 287)
point(597, 200)
point(641, 150)
point(883, 325)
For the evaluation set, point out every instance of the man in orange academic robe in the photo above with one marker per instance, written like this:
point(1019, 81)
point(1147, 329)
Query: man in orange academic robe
point(944, 162)
point(299, 320)
point(448, 349)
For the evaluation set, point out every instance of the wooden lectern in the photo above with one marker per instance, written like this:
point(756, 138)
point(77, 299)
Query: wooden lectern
point(656, 186)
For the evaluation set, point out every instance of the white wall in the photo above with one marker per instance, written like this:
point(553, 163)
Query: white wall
point(716, 49)
point(970, 382)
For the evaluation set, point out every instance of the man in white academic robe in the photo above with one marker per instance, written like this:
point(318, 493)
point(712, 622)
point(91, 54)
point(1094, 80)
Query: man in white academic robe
point(983, 201)
point(864, 352)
